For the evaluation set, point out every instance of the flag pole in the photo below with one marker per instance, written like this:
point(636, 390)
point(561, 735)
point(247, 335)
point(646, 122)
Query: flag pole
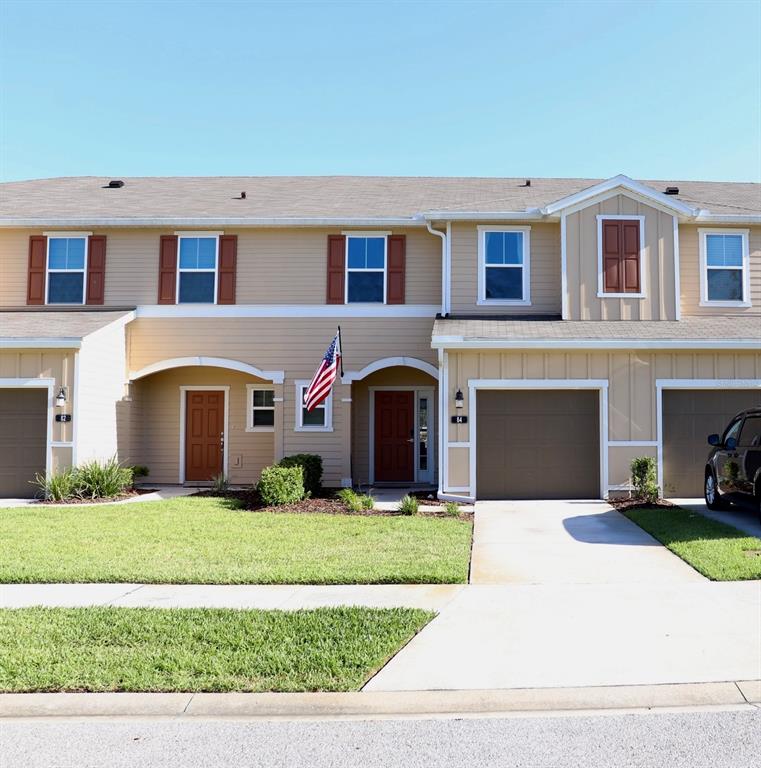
point(341, 348)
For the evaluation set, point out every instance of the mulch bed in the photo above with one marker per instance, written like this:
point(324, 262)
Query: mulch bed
point(120, 497)
point(624, 504)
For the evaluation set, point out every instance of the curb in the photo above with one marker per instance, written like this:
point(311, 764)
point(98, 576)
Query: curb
point(385, 705)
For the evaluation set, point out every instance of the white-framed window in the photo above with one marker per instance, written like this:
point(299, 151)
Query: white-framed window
point(66, 267)
point(366, 259)
point(197, 260)
point(504, 265)
point(318, 420)
point(260, 408)
point(724, 268)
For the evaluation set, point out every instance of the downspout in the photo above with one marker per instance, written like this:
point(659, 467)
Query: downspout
point(444, 265)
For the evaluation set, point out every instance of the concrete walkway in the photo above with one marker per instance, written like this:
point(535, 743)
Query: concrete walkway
point(567, 542)
point(742, 518)
point(159, 493)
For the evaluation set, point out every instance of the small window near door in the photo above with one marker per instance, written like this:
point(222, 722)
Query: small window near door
point(423, 434)
point(319, 419)
point(261, 412)
point(67, 259)
point(197, 273)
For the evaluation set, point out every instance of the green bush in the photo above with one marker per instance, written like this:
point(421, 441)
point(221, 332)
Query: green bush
point(452, 508)
point(356, 502)
point(367, 501)
point(644, 479)
point(58, 486)
point(100, 480)
point(311, 463)
point(140, 470)
point(408, 505)
point(281, 485)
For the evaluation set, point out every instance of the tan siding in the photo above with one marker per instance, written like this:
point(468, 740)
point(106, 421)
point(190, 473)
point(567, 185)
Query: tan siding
point(620, 459)
point(582, 265)
point(689, 261)
point(14, 262)
point(545, 272)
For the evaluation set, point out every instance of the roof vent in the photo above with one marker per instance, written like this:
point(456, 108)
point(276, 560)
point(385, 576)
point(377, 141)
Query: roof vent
point(527, 183)
point(672, 191)
point(115, 184)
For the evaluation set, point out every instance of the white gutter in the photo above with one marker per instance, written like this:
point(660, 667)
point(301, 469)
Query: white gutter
point(444, 266)
point(460, 342)
point(728, 218)
point(530, 214)
point(40, 342)
point(211, 221)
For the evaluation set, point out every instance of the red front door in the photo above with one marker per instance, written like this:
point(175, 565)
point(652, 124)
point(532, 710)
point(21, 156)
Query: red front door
point(204, 425)
point(394, 436)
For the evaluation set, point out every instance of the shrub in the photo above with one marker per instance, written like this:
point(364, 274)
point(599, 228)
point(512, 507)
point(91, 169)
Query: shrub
point(281, 485)
point(408, 505)
point(644, 479)
point(356, 502)
point(99, 480)
point(58, 486)
point(311, 463)
point(140, 470)
point(452, 508)
point(367, 501)
point(220, 483)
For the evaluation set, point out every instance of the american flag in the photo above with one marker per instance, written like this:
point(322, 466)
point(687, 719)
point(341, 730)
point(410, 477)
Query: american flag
point(326, 374)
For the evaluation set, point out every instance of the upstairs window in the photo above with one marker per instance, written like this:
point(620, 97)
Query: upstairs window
point(724, 268)
point(66, 266)
point(365, 270)
point(197, 270)
point(503, 265)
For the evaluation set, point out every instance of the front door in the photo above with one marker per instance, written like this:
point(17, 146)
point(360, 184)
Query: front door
point(395, 436)
point(204, 434)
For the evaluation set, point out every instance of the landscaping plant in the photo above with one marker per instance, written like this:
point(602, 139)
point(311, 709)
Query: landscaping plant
point(644, 479)
point(452, 508)
point(408, 505)
point(220, 483)
point(57, 486)
point(92, 480)
point(356, 502)
point(281, 485)
point(311, 464)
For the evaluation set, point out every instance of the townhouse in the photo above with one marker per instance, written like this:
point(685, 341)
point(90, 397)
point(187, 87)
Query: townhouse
point(502, 338)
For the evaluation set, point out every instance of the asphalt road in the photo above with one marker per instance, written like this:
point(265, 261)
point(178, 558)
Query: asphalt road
point(686, 740)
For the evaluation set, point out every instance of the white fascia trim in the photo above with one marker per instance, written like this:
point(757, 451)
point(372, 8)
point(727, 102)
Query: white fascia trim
point(276, 377)
point(41, 342)
point(390, 362)
point(231, 221)
point(530, 214)
point(728, 218)
point(620, 182)
point(288, 310)
point(677, 274)
point(458, 342)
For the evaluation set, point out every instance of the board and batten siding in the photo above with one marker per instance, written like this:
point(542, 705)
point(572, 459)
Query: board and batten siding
point(544, 271)
point(582, 266)
point(689, 261)
point(274, 266)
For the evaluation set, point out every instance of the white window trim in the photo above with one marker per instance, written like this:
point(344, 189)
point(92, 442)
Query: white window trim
point(526, 266)
point(364, 235)
point(301, 384)
point(68, 236)
point(180, 237)
point(601, 293)
point(703, 249)
point(250, 407)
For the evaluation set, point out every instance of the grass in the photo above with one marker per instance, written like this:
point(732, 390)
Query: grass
point(180, 649)
point(211, 541)
point(717, 550)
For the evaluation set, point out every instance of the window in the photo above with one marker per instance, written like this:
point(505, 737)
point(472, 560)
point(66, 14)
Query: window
point(750, 437)
point(320, 419)
point(620, 266)
point(197, 270)
point(366, 269)
point(733, 431)
point(503, 265)
point(67, 262)
point(261, 409)
point(724, 271)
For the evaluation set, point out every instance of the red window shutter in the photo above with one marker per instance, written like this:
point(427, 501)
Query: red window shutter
point(395, 269)
point(38, 254)
point(167, 269)
point(336, 268)
point(611, 256)
point(227, 268)
point(96, 269)
point(630, 256)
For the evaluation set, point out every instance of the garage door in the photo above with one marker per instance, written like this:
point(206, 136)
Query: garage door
point(538, 445)
point(23, 439)
point(689, 416)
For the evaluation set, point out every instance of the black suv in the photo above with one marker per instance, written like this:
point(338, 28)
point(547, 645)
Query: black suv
point(733, 469)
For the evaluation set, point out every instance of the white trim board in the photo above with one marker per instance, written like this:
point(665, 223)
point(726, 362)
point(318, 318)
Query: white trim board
point(276, 377)
point(288, 310)
point(390, 362)
point(184, 389)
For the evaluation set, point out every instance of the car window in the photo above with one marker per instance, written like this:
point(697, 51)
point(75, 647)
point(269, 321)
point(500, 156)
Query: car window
point(751, 432)
point(732, 431)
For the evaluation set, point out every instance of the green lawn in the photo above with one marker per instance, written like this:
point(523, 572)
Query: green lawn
point(180, 649)
point(716, 550)
point(210, 541)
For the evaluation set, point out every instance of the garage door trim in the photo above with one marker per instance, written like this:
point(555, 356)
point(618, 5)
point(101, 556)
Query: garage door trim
point(601, 385)
point(48, 384)
point(661, 384)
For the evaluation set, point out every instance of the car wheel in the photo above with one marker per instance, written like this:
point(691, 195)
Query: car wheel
point(711, 493)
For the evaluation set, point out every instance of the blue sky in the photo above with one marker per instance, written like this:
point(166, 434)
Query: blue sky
point(667, 90)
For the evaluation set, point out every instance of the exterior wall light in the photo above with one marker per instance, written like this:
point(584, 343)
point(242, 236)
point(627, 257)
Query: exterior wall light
point(60, 400)
point(459, 400)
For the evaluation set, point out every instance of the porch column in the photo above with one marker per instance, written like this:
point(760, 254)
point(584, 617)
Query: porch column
point(343, 395)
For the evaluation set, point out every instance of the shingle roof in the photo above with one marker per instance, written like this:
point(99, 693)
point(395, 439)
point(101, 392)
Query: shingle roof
point(17, 327)
point(323, 196)
point(694, 329)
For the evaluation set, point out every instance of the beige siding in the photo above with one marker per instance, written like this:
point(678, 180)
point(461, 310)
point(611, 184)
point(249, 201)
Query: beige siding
point(275, 266)
point(689, 262)
point(619, 463)
point(583, 267)
point(156, 429)
point(544, 272)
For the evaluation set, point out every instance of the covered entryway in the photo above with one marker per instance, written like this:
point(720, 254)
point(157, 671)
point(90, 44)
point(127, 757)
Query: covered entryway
point(689, 416)
point(535, 444)
point(23, 439)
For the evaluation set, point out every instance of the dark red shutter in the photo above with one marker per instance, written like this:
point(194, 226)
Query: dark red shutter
point(96, 269)
point(226, 269)
point(336, 268)
point(395, 269)
point(620, 256)
point(611, 256)
point(630, 267)
point(167, 269)
point(38, 254)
